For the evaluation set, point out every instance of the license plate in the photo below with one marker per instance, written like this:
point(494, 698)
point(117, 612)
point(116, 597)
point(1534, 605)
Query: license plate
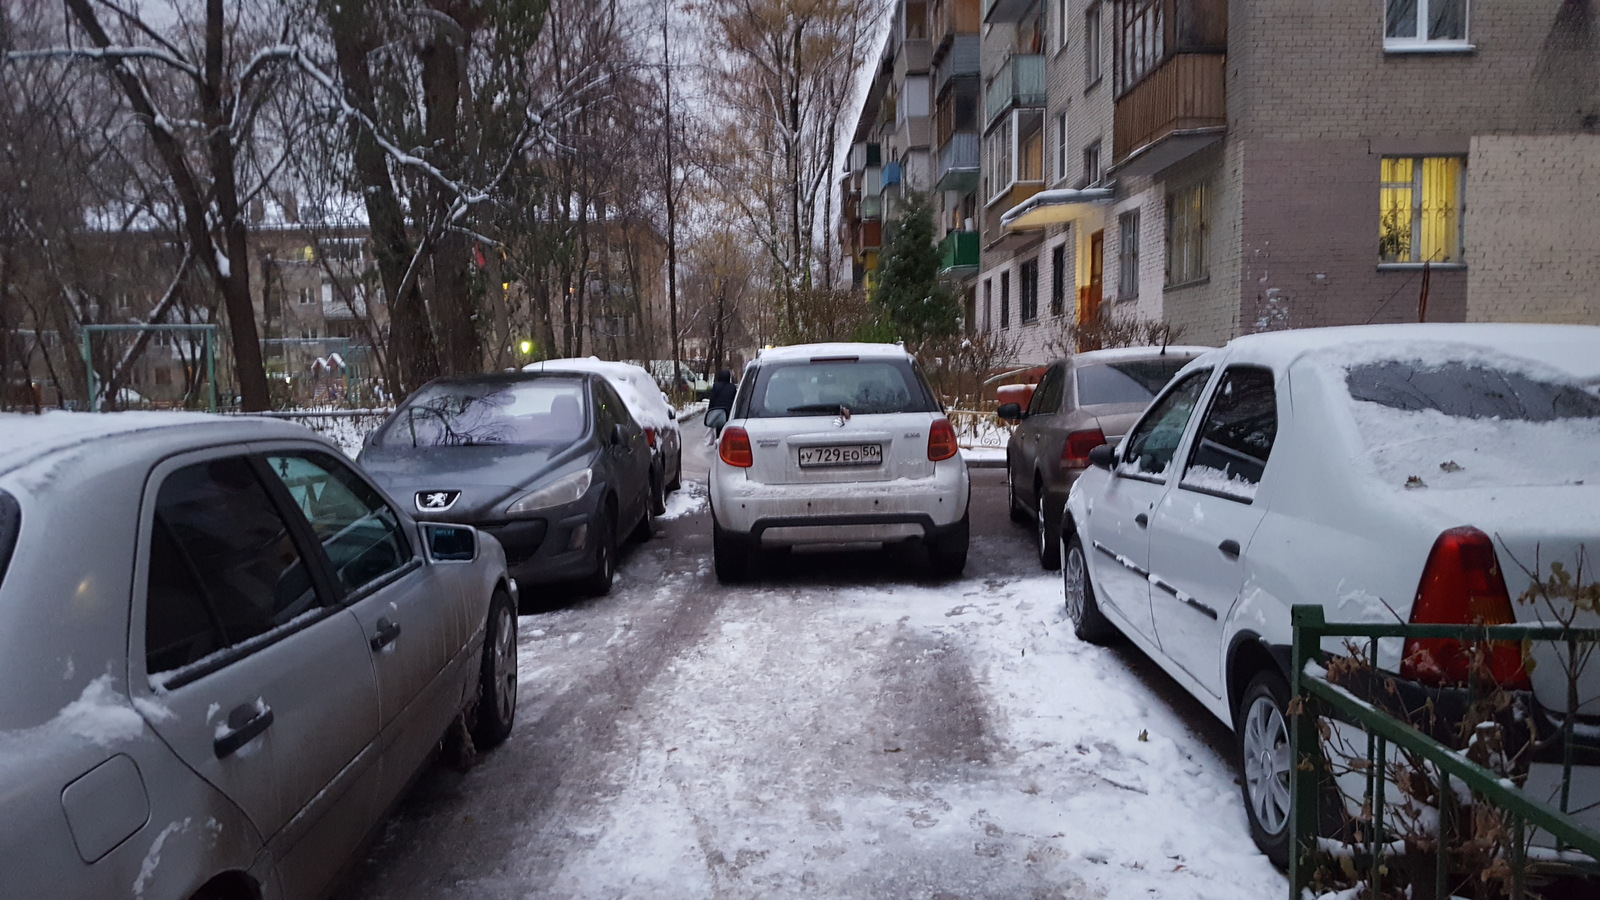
point(844, 455)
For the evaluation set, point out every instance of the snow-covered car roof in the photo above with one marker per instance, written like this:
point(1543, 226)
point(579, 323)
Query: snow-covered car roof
point(1573, 348)
point(636, 386)
point(25, 437)
point(810, 351)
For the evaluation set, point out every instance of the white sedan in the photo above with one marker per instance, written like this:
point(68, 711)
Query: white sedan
point(1418, 472)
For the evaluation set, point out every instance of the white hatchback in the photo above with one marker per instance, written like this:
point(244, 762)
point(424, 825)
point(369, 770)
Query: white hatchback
point(1418, 472)
point(837, 444)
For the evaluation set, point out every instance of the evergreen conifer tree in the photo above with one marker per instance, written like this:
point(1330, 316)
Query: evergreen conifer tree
point(913, 300)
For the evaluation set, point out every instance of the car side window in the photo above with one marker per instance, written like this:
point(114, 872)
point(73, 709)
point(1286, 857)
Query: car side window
point(1047, 396)
point(359, 531)
point(1235, 438)
point(1154, 441)
point(223, 566)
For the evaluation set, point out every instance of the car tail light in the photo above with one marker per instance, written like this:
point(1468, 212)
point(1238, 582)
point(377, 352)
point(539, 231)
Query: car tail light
point(650, 437)
point(1075, 452)
point(942, 440)
point(1462, 585)
point(735, 447)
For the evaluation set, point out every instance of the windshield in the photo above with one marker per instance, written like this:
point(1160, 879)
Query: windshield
point(10, 524)
point(1454, 423)
point(863, 387)
point(460, 414)
point(1131, 381)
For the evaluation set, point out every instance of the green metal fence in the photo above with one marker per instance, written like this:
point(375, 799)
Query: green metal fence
point(1315, 697)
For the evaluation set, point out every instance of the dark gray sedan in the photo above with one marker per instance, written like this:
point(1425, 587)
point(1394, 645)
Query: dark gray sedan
point(223, 654)
point(552, 464)
point(1083, 401)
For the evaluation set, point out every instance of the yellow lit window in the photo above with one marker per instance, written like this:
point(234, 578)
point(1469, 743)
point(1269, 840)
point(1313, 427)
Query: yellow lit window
point(1419, 209)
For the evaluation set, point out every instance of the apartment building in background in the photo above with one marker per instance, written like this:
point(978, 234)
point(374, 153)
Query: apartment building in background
point(1232, 167)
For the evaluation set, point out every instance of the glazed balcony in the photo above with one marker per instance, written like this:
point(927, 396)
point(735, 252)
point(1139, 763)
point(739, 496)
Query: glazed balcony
point(958, 163)
point(1170, 75)
point(950, 18)
point(1019, 83)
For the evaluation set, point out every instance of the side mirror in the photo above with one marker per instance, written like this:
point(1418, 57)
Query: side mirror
point(1011, 412)
point(716, 418)
point(672, 413)
point(1103, 457)
point(619, 435)
point(450, 543)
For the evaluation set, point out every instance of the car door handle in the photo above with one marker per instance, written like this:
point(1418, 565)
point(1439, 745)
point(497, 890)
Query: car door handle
point(1229, 548)
point(1142, 520)
point(385, 635)
point(244, 723)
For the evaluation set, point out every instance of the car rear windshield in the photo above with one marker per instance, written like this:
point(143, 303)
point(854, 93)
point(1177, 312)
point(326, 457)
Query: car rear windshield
point(10, 524)
point(820, 388)
point(462, 414)
point(1130, 381)
point(1475, 423)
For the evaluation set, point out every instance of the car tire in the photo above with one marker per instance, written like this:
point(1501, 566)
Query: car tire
point(730, 555)
point(1019, 513)
point(658, 495)
point(604, 536)
point(947, 555)
point(677, 473)
point(1088, 623)
point(497, 677)
point(1046, 534)
point(1262, 742)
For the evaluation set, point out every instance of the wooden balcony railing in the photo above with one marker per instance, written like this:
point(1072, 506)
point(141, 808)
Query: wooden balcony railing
point(1185, 92)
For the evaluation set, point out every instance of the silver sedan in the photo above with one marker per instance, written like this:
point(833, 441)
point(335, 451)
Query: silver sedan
point(223, 655)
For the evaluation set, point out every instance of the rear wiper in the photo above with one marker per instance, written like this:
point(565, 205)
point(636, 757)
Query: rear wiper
point(819, 408)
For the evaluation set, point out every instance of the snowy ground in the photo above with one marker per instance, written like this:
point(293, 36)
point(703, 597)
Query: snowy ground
point(846, 727)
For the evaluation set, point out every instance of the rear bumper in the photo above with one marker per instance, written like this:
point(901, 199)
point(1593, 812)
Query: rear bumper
point(853, 512)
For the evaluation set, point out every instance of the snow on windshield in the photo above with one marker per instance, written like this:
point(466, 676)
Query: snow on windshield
point(1470, 417)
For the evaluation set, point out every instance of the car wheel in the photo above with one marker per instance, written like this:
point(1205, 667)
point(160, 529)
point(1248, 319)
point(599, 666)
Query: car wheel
point(948, 554)
point(658, 495)
point(497, 681)
point(1019, 513)
point(730, 555)
point(1088, 623)
point(1046, 535)
point(677, 472)
point(1263, 738)
point(604, 535)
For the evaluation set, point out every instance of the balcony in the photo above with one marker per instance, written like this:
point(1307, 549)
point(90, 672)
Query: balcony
point(998, 12)
point(871, 234)
point(1020, 82)
point(912, 59)
point(1176, 110)
point(871, 208)
point(954, 17)
point(958, 163)
point(963, 60)
point(958, 253)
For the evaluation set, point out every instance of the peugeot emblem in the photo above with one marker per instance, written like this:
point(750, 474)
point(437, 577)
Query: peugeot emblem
point(436, 501)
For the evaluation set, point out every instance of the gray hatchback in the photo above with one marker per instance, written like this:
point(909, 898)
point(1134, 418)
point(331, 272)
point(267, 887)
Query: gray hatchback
point(223, 655)
point(1081, 402)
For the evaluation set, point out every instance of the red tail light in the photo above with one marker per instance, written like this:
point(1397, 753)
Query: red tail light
point(942, 440)
point(1462, 584)
point(650, 437)
point(1075, 452)
point(735, 447)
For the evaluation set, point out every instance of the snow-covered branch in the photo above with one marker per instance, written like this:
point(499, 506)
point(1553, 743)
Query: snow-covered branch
point(108, 54)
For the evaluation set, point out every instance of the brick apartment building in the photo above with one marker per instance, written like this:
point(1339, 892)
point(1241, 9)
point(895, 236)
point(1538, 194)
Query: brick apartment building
point(1231, 167)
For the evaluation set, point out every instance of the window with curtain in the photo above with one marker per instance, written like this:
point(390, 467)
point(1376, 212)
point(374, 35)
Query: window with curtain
point(1420, 208)
point(1128, 255)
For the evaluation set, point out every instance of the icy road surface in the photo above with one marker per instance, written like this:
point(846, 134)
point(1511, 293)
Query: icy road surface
point(845, 727)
